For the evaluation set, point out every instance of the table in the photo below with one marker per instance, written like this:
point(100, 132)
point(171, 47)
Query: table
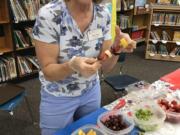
point(160, 88)
point(89, 119)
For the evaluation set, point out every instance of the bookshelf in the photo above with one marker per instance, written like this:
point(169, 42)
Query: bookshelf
point(17, 51)
point(125, 10)
point(163, 38)
point(132, 16)
point(140, 20)
point(4, 14)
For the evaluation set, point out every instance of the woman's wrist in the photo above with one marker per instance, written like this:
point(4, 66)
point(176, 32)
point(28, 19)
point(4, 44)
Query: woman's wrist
point(115, 51)
point(70, 68)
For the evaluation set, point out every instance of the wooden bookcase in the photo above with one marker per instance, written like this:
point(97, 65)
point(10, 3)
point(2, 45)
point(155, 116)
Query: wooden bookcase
point(138, 16)
point(159, 27)
point(8, 47)
point(4, 14)
point(140, 21)
point(6, 44)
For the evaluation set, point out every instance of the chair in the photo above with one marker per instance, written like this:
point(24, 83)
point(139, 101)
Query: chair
point(121, 81)
point(11, 96)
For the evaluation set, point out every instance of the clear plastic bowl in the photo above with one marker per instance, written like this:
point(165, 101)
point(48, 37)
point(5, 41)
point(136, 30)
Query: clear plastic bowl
point(156, 120)
point(105, 116)
point(87, 128)
point(173, 117)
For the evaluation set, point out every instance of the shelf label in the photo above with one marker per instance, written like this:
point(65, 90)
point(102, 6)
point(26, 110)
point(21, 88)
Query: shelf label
point(178, 43)
point(156, 24)
point(164, 41)
point(155, 41)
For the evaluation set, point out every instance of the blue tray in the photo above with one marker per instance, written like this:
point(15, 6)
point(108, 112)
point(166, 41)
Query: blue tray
point(89, 119)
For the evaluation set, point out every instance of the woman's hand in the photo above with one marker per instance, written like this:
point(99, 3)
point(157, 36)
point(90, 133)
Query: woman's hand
point(85, 66)
point(117, 47)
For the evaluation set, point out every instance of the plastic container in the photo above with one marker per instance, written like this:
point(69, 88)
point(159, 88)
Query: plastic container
point(155, 122)
point(173, 117)
point(87, 128)
point(105, 116)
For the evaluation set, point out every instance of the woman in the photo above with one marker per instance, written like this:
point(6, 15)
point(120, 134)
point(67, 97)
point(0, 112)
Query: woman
point(69, 36)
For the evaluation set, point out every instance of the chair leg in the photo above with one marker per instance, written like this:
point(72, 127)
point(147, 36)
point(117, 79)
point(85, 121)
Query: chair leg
point(30, 111)
point(120, 69)
point(101, 76)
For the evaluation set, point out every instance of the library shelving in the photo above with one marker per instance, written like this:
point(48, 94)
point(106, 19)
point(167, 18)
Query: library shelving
point(124, 14)
point(17, 51)
point(163, 38)
point(132, 16)
point(140, 20)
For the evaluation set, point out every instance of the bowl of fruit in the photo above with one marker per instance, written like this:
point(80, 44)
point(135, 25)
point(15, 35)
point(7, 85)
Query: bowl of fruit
point(115, 123)
point(148, 116)
point(172, 109)
point(88, 130)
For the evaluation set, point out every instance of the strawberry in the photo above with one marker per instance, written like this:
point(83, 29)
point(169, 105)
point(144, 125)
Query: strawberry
point(174, 102)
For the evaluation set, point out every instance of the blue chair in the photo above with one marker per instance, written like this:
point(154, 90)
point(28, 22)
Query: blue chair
point(13, 99)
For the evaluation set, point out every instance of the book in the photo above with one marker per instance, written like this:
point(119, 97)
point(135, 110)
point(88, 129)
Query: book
point(178, 20)
point(24, 10)
point(27, 64)
point(14, 11)
point(154, 35)
point(165, 36)
point(176, 36)
point(20, 40)
point(118, 5)
point(166, 19)
point(125, 22)
point(34, 61)
point(164, 1)
point(20, 68)
point(29, 32)
point(7, 69)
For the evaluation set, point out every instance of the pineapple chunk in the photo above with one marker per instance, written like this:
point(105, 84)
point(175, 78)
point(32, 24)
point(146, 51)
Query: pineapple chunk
point(123, 43)
point(108, 53)
point(91, 132)
point(80, 132)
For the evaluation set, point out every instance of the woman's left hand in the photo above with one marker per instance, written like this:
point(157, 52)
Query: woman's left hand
point(120, 35)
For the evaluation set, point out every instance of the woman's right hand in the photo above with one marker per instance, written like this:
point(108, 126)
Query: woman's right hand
point(85, 66)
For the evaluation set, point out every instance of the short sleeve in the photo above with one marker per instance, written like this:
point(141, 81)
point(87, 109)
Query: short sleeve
point(46, 28)
point(107, 28)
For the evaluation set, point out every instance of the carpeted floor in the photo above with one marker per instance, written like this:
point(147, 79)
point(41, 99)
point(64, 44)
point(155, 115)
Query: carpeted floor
point(135, 65)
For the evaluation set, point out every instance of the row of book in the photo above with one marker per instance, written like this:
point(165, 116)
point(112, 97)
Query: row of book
point(27, 64)
point(125, 22)
point(23, 40)
point(167, 19)
point(123, 5)
point(163, 50)
point(24, 10)
point(174, 2)
point(165, 36)
point(7, 69)
point(138, 35)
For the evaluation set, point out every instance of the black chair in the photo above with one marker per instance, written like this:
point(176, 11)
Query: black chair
point(11, 97)
point(121, 81)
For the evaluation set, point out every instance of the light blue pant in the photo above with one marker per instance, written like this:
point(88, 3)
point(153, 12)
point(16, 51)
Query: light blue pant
point(58, 112)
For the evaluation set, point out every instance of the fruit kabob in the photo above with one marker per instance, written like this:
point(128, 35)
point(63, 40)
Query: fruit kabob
point(108, 53)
